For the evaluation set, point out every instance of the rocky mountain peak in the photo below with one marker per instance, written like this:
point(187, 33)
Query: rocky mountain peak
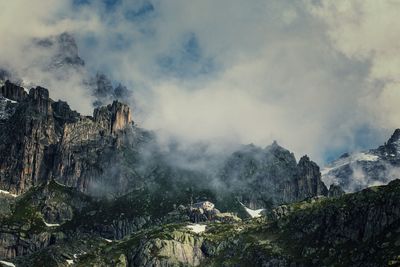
point(335, 191)
point(114, 117)
point(68, 44)
point(309, 178)
point(274, 146)
point(12, 91)
point(305, 160)
point(395, 138)
point(62, 111)
point(65, 50)
point(40, 99)
point(121, 116)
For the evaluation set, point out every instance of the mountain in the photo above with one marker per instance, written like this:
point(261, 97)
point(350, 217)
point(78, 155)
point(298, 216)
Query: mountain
point(54, 225)
point(266, 177)
point(64, 52)
point(100, 191)
point(41, 139)
point(357, 171)
point(106, 153)
point(60, 61)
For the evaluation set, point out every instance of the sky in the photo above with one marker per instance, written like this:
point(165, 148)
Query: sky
point(320, 77)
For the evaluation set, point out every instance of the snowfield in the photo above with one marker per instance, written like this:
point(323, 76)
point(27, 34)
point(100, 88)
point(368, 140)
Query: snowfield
point(6, 263)
point(253, 213)
point(348, 160)
point(197, 228)
point(2, 98)
point(7, 193)
point(51, 224)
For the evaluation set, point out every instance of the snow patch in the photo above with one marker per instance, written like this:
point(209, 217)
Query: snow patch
point(79, 254)
point(253, 213)
point(2, 98)
point(7, 193)
point(51, 224)
point(6, 263)
point(348, 160)
point(197, 228)
point(108, 240)
point(70, 262)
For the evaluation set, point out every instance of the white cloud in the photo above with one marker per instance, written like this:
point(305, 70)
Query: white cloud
point(368, 31)
point(277, 72)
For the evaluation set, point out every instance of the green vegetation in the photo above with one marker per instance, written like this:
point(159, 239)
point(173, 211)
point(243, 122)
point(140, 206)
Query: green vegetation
point(360, 227)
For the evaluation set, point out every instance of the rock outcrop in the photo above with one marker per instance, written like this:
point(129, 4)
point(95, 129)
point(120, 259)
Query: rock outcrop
point(309, 179)
point(43, 139)
point(335, 191)
point(359, 229)
point(262, 178)
point(13, 91)
point(356, 171)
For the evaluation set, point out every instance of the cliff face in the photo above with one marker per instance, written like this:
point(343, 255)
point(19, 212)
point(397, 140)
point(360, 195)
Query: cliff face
point(356, 171)
point(359, 229)
point(43, 138)
point(114, 118)
point(52, 156)
point(309, 179)
point(13, 91)
point(267, 177)
point(24, 139)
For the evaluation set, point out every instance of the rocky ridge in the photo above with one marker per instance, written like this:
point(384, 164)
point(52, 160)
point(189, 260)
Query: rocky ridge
point(276, 175)
point(356, 171)
point(90, 182)
point(106, 154)
point(359, 229)
point(36, 135)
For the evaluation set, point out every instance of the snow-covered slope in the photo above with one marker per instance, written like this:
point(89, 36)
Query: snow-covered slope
point(253, 213)
point(346, 160)
point(197, 228)
point(7, 193)
point(356, 171)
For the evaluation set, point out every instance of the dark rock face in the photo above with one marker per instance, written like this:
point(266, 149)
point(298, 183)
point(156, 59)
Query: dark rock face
point(265, 177)
point(354, 172)
point(335, 191)
point(358, 229)
point(309, 179)
point(88, 147)
point(44, 146)
point(25, 137)
point(13, 91)
point(44, 138)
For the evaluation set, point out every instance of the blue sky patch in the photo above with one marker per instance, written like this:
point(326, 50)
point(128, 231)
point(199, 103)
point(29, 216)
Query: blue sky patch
point(140, 12)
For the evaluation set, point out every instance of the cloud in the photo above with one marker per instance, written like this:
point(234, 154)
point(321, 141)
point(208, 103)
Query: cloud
point(308, 74)
point(367, 31)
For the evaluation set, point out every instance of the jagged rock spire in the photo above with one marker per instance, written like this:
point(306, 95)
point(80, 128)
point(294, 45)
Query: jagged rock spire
point(13, 91)
point(394, 139)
